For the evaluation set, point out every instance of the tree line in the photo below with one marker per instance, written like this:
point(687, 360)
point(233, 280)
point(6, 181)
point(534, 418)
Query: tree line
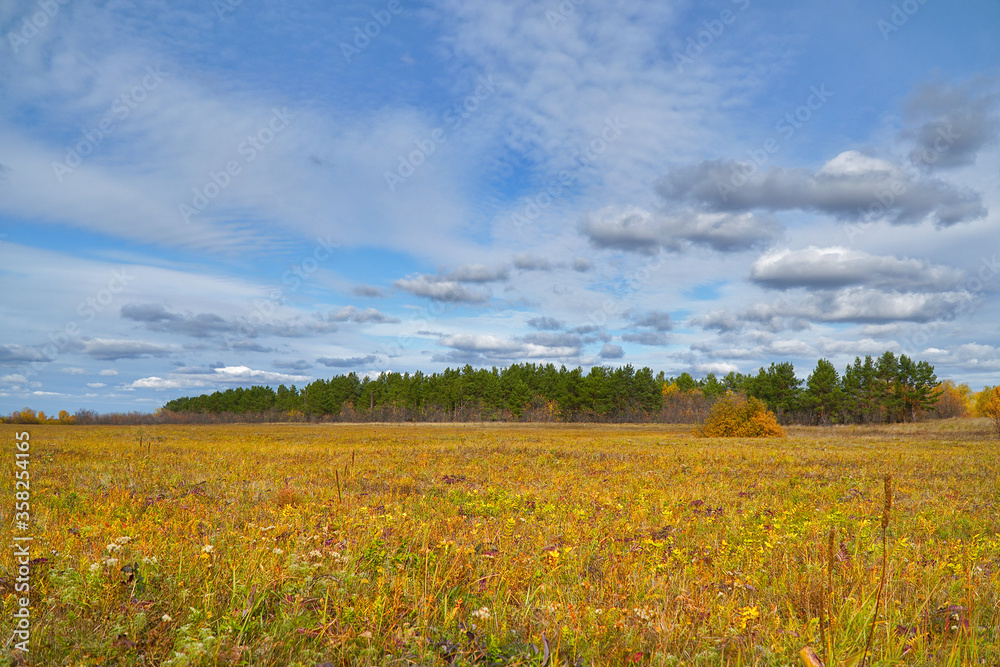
point(885, 389)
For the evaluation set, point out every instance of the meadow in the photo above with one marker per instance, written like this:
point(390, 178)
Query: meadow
point(488, 544)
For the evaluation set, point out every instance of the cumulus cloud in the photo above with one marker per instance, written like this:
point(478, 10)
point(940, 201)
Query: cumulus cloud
point(477, 273)
point(974, 357)
point(348, 362)
point(440, 289)
point(545, 323)
point(638, 230)
point(110, 349)
point(654, 338)
point(553, 340)
point(655, 319)
point(528, 262)
point(856, 305)
point(297, 365)
point(534, 346)
point(226, 375)
point(17, 354)
point(717, 367)
point(863, 346)
point(156, 317)
point(850, 186)
point(790, 347)
point(863, 305)
point(950, 125)
point(368, 315)
point(770, 317)
point(611, 351)
point(369, 291)
point(834, 267)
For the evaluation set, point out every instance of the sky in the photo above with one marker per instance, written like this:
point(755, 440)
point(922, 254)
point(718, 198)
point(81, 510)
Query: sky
point(203, 195)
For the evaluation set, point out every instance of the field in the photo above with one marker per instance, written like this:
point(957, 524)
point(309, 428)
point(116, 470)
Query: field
point(503, 544)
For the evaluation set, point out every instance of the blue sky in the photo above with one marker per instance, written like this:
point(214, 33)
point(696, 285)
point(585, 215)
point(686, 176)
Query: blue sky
point(196, 196)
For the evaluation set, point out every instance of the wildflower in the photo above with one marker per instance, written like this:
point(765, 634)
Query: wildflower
point(113, 547)
point(150, 560)
point(315, 554)
point(95, 567)
point(208, 548)
point(110, 562)
point(643, 613)
point(482, 614)
point(277, 551)
point(166, 618)
point(124, 539)
point(748, 614)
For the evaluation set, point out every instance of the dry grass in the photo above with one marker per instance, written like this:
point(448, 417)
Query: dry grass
point(497, 544)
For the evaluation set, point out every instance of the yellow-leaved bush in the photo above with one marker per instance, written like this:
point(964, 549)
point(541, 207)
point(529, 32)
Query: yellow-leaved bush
point(991, 408)
point(736, 416)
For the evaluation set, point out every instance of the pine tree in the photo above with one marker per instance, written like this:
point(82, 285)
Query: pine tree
point(823, 395)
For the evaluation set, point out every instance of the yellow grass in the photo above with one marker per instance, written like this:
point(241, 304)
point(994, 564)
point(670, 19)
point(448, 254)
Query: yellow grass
point(486, 544)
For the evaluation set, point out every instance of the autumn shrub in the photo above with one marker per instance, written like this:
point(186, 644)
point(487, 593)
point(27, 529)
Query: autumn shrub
point(736, 416)
point(991, 408)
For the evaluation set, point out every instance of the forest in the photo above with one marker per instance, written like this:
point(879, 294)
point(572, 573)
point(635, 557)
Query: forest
point(886, 389)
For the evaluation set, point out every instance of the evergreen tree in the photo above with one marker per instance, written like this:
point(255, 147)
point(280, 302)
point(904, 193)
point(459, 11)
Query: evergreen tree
point(823, 396)
point(711, 387)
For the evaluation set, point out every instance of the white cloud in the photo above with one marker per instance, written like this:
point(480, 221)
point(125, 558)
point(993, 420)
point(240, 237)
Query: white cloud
point(228, 375)
point(638, 230)
point(505, 348)
point(717, 367)
point(837, 266)
point(439, 289)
